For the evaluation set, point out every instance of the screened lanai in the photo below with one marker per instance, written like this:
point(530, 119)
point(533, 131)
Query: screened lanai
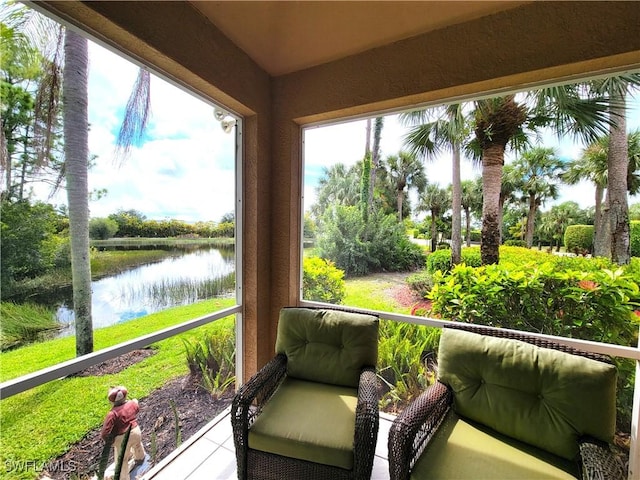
point(283, 66)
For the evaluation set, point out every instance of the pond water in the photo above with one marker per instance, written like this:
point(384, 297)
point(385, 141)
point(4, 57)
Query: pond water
point(179, 279)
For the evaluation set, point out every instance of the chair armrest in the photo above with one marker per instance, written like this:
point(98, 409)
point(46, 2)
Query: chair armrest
point(248, 402)
point(367, 422)
point(598, 461)
point(414, 427)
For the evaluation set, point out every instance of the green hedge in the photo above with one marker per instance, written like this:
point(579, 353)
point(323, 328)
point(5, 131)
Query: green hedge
point(579, 238)
point(635, 238)
point(440, 260)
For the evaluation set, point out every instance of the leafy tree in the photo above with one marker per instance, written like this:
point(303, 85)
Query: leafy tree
point(404, 170)
point(555, 221)
point(29, 241)
point(102, 228)
point(436, 201)
point(338, 185)
point(539, 170)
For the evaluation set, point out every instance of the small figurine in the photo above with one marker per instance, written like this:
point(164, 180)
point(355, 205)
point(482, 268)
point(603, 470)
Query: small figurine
point(116, 423)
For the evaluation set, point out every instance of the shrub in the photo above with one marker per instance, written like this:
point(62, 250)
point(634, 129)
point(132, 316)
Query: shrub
point(634, 243)
point(420, 282)
point(579, 238)
point(443, 246)
point(102, 228)
point(440, 260)
point(403, 353)
point(359, 247)
point(322, 281)
point(515, 243)
point(595, 305)
point(213, 359)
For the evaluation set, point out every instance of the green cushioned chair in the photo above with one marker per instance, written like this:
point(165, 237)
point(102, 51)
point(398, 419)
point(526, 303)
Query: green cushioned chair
point(509, 406)
point(312, 411)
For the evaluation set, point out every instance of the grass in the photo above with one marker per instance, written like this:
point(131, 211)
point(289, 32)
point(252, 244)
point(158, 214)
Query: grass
point(42, 423)
point(24, 323)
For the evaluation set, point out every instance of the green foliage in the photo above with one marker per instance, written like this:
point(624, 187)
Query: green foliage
point(24, 323)
point(403, 349)
point(595, 305)
point(212, 358)
point(440, 260)
point(359, 247)
point(578, 238)
point(515, 243)
point(443, 246)
point(132, 223)
point(634, 243)
point(322, 281)
point(29, 241)
point(421, 283)
point(102, 228)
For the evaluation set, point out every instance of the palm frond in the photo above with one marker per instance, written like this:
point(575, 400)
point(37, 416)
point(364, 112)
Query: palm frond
point(136, 115)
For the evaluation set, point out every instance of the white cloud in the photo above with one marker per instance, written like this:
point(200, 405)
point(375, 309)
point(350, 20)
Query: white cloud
point(185, 167)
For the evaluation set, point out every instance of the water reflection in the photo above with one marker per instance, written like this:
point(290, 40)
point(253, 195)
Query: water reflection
point(177, 280)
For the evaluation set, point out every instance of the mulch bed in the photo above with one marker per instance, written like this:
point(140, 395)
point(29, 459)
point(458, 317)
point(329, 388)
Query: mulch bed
point(195, 407)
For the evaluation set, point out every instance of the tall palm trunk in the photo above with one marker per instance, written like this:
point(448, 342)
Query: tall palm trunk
point(602, 232)
point(76, 150)
point(618, 164)
point(492, 160)
point(531, 215)
point(467, 216)
point(456, 207)
point(375, 158)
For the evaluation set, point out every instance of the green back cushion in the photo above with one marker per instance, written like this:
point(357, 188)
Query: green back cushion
point(327, 346)
point(540, 396)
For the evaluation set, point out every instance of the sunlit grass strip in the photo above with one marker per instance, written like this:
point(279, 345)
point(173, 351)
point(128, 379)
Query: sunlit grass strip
point(140, 241)
point(45, 354)
point(24, 323)
point(44, 422)
point(182, 290)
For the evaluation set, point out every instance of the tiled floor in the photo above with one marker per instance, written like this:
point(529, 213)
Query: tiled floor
point(210, 454)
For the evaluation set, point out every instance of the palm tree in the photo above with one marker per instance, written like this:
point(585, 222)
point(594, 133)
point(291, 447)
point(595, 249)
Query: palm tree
point(539, 170)
point(503, 122)
point(471, 201)
point(616, 88)
point(436, 201)
point(592, 166)
point(510, 184)
point(75, 130)
point(76, 149)
point(555, 221)
point(404, 171)
point(435, 131)
point(338, 185)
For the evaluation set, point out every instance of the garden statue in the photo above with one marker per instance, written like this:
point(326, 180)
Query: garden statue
point(123, 415)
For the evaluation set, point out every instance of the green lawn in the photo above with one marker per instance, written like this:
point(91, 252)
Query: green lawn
point(44, 422)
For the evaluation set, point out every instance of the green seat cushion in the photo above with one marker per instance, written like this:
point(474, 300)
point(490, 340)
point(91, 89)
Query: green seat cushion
point(540, 396)
point(308, 421)
point(463, 450)
point(327, 346)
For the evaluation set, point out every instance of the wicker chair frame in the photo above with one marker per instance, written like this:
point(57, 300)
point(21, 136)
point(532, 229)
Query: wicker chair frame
point(412, 430)
point(254, 464)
